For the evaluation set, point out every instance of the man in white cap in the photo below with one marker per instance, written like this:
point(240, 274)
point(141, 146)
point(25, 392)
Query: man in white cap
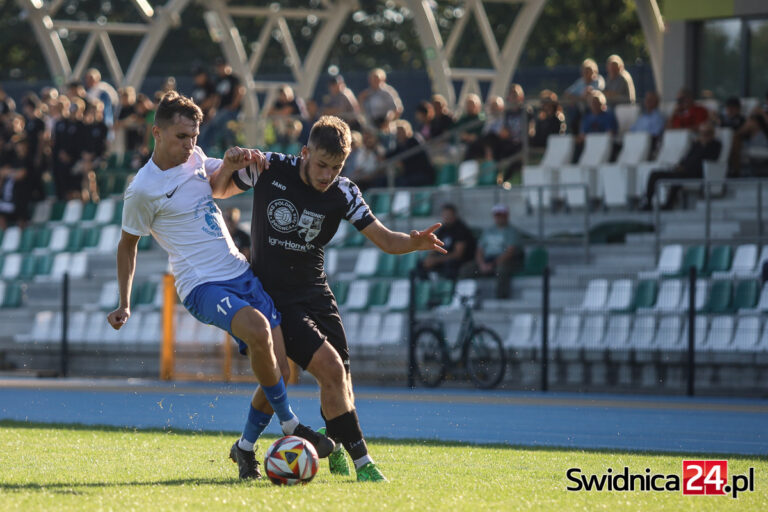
point(499, 253)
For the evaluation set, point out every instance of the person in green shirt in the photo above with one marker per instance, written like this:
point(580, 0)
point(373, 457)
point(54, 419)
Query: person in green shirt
point(499, 253)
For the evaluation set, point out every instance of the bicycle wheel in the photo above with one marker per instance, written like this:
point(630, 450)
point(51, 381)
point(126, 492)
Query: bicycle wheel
point(485, 358)
point(430, 356)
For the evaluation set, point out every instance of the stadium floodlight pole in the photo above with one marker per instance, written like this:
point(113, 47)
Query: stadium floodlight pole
point(691, 329)
point(64, 324)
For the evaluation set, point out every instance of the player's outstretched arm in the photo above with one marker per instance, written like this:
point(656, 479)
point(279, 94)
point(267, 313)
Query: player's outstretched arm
point(222, 184)
point(394, 242)
point(126, 267)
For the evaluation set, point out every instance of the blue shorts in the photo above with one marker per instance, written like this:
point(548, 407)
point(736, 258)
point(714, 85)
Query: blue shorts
point(216, 303)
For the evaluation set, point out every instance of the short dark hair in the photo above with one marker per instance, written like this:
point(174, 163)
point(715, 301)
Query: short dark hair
point(332, 135)
point(173, 103)
point(733, 101)
point(451, 207)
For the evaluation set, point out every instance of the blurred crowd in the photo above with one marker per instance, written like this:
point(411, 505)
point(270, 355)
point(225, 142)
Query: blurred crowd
point(58, 140)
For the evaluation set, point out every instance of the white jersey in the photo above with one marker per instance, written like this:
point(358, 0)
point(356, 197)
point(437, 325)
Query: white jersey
point(176, 206)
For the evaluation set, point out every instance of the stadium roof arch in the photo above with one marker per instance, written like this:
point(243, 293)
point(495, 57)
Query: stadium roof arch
point(157, 19)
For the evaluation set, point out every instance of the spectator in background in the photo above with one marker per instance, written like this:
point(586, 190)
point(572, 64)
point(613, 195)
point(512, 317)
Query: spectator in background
point(499, 253)
point(76, 90)
point(471, 122)
point(425, 116)
point(599, 119)
point(706, 147)
point(443, 120)
point(287, 109)
point(14, 192)
point(240, 237)
point(578, 95)
point(145, 110)
point(98, 90)
point(687, 113)
point(64, 131)
point(93, 147)
point(756, 122)
point(619, 86)
point(34, 129)
point(129, 124)
point(204, 92)
point(7, 105)
point(651, 120)
point(506, 140)
point(364, 170)
point(550, 119)
point(459, 242)
point(414, 170)
point(380, 101)
point(731, 116)
point(341, 102)
point(226, 105)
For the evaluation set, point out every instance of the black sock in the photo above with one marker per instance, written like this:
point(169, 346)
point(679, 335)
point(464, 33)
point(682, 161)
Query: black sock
point(329, 429)
point(347, 429)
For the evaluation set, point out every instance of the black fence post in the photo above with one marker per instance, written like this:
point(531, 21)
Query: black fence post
point(545, 330)
point(691, 329)
point(411, 340)
point(64, 325)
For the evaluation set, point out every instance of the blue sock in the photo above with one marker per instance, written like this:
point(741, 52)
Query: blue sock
point(278, 399)
point(257, 422)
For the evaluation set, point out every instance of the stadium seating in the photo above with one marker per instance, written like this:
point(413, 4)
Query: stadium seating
point(558, 153)
point(743, 265)
point(719, 260)
point(595, 296)
point(695, 256)
point(718, 170)
point(596, 152)
point(670, 262)
point(760, 307)
point(621, 296)
point(626, 115)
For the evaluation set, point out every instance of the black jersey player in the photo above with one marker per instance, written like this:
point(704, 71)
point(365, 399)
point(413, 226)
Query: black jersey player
point(298, 203)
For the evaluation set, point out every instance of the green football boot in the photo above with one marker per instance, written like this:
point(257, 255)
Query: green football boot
point(337, 461)
point(370, 473)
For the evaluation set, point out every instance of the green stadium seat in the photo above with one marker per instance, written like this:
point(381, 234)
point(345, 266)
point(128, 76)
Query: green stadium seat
point(422, 295)
point(2, 232)
point(442, 292)
point(488, 173)
point(27, 270)
point(13, 295)
point(719, 300)
point(645, 295)
point(76, 239)
point(719, 259)
point(354, 239)
point(745, 295)
point(378, 294)
point(118, 186)
point(91, 238)
point(695, 256)
point(447, 174)
point(117, 216)
point(105, 181)
point(145, 294)
point(57, 211)
point(42, 237)
point(386, 266)
point(89, 211)
point(145, 243)
point(340, 289)
point(421, 204)
point(28, 239)
point(382, 204)
point(536, 260)
point(406, 263)
point(44, 264)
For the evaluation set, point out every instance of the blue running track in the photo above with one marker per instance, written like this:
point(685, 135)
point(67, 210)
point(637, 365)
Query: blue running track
point(645, 423)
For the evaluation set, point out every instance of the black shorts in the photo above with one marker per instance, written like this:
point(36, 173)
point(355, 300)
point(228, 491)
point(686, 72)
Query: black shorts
point(308, 324)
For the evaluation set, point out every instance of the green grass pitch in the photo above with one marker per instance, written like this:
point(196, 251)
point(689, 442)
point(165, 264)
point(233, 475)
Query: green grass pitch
point(63, 468)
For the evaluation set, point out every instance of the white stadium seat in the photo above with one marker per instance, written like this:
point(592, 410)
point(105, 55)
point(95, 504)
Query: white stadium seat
point(618, 179)
point(720, 335)
point(367, 259)
point(73, 211)
point(743, 265)
point(674, 146)
point(468, 172)
point(670, 261)
point(596, 152)
point(626, 115)
point(617, 333)
point(392, 326)
point(108, 240)
point(718, 170)
point(357, 297)
point(151, 329)
point(331, 261)
point(370, 329)
point(621, 295)
point(105, 211)
point(701, 296)
point(747, 334)
point(12, 266)
point(11, 239)
point(700, 334)
point(401, 203)
point(186, 328)
point(351, 323)
point(668, 334)
point(520, 332)
point(568, 331)
point(558, 153)
point(595, 295)
point(59, 239)
point(643, 332)
point(399, 296)
point(668, 299)
point(97, 325)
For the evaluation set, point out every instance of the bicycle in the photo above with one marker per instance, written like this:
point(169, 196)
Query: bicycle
point(482, 352)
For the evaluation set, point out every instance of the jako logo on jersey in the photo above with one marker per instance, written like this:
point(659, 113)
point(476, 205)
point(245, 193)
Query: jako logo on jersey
point(278, 185)
point(282, 215)
point(310, 224)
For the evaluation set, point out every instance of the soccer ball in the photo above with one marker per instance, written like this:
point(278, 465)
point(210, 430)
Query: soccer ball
point(291, 460)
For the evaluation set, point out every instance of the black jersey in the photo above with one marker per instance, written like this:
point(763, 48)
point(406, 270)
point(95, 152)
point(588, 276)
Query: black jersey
point(292, 222)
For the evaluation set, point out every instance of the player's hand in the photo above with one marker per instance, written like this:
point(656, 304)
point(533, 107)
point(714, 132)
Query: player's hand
point(427, 241)
point(238, 157)
point(118, 317)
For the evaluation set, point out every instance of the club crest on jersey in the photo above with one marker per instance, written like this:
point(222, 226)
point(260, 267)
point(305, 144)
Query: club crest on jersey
point(282, 215)
point(310, 224)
